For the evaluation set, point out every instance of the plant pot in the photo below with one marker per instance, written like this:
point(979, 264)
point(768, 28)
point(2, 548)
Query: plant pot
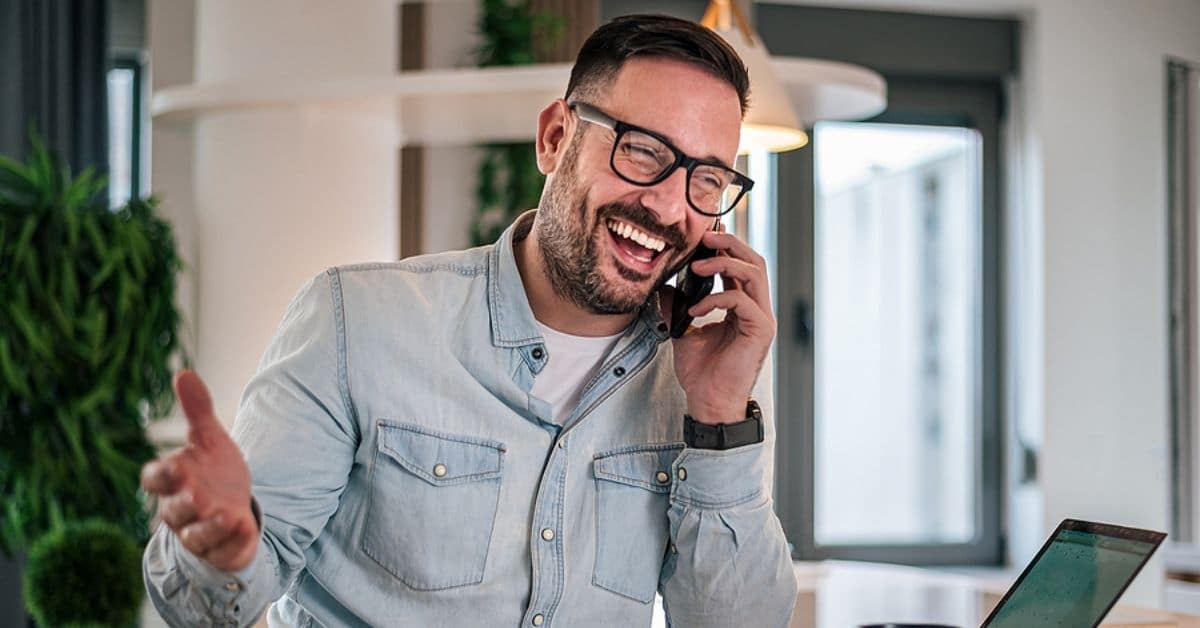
point(12, 605)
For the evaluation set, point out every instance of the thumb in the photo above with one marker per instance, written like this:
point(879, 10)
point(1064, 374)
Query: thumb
point(197, 406)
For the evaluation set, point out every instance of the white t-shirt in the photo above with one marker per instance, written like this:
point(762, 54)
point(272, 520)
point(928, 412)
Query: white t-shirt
point(573, 360)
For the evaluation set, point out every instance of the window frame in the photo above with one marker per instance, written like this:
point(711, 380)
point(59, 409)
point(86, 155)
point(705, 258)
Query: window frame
point(1183, 146)
point(975, 104)
point(134, 64)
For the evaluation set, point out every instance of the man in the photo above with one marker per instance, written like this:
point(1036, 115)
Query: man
point(495, 437)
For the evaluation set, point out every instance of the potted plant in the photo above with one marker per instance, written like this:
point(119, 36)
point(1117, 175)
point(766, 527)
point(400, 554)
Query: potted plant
point(88, 326)
point(84, 573)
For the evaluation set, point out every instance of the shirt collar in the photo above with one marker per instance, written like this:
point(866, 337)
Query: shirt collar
point(513, 324)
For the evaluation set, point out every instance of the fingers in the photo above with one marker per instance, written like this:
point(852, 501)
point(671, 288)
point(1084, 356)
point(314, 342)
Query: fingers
point(730, 246)
point(203, 425)
point(204, 535)
point(224, 541)
point(174, 479)
point(750, 319)
point(171, 473)
point(178, 510)
point(236, 551)
point(746, 277)
point(734, 246)
point(160, 477)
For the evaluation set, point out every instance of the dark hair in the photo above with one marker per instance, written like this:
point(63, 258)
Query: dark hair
point(662, 36)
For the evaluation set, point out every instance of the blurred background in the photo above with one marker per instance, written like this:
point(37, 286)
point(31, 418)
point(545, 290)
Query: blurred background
point(983, 255)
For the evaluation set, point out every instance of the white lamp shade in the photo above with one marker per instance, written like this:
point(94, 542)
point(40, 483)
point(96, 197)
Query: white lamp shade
point(770, 123)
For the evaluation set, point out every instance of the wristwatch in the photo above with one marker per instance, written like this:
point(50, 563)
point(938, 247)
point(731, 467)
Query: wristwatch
point(725, 435)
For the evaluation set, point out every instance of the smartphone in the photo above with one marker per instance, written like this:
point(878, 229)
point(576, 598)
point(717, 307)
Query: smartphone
point(690, 288)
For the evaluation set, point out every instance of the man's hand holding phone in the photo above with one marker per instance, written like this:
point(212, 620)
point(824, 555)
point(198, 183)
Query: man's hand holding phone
point(204, 487)
point(718, 363)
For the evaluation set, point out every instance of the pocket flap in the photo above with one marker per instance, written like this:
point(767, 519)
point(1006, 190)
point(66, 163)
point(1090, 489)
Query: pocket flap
point(438, 458)
point(643, 466)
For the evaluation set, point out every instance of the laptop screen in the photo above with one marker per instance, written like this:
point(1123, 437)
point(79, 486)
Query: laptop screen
point(1076, 577)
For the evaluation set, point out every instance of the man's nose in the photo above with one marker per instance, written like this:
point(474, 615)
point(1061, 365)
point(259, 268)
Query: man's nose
point(667, 199)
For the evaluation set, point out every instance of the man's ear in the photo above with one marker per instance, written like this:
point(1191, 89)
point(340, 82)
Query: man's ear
point(554, 124)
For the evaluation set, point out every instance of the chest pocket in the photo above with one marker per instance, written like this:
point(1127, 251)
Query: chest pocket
point(433, 500)
point(633, 488)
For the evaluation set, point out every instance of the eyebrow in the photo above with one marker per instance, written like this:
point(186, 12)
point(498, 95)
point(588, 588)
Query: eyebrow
point(663, 136)
point(716, 159)
point(710, 157)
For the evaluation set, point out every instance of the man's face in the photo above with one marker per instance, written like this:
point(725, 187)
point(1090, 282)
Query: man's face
point(587, 211)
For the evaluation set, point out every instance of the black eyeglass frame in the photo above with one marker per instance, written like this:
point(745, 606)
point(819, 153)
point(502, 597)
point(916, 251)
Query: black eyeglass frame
point(589, 113)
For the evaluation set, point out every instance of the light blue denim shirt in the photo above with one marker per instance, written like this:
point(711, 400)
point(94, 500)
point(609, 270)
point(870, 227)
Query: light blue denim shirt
point(406, 477)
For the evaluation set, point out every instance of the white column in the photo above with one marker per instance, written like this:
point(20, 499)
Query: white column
point(281, 193)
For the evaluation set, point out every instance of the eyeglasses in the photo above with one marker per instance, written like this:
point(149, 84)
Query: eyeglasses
point(645, 158)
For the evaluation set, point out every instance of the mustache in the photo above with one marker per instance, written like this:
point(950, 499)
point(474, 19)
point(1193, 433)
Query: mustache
point(639, 216)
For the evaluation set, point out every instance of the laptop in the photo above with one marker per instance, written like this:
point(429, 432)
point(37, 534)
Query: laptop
point(1076, 577)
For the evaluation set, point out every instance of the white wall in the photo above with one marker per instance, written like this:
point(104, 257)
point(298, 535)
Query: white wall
point(451, 172)
point(265, 198)
point(171, 27)
point(1094, 79)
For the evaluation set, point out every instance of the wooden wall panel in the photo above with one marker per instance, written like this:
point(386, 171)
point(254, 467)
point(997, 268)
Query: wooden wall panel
point(411, 52)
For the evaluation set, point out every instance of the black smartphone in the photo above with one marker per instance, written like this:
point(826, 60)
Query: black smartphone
point(690, 288)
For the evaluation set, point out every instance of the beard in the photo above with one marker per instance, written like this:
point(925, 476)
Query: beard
point(569, 238)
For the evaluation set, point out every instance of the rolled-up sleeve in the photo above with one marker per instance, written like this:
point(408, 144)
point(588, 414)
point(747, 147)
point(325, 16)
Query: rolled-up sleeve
point(296, 427)
point(729, 563)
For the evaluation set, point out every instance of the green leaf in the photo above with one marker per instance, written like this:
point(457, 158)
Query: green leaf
point(14, 378)
point(35, 337)
point(73, 391)
point(111, 265)
point(92, 229)
point(22, 250)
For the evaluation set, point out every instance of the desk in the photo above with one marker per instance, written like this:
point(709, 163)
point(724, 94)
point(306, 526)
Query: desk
point(836, 594)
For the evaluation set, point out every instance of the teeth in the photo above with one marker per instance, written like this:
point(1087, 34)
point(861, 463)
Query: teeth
point(626, 230)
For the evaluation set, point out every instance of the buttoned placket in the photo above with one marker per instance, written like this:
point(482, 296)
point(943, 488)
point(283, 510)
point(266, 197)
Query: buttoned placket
point(547, 531)
point(230, 597)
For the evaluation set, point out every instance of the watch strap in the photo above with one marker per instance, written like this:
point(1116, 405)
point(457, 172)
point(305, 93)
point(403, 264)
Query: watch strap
point(725, 435)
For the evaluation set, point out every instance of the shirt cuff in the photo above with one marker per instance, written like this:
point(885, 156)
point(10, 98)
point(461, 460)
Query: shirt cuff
point(248, 570)
point(713, 478)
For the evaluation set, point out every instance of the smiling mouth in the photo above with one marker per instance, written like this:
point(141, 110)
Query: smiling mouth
point(636, 248)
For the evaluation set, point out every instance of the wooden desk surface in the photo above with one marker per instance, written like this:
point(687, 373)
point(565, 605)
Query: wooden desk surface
point(835, 594)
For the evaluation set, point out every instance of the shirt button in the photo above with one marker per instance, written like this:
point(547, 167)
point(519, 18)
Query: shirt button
point(538, 619)
point(232, 586)
point(562, 442)
point(439, 469)
point(663, 477)
point(662, 328)
point(682, 474)
point(547, 534)
point(538, 353)
point(619, 371)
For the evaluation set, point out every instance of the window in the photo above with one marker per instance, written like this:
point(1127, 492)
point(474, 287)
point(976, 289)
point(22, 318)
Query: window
point(895, 319)
point(889, 355)
point(888, 362)
point(124, 131)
